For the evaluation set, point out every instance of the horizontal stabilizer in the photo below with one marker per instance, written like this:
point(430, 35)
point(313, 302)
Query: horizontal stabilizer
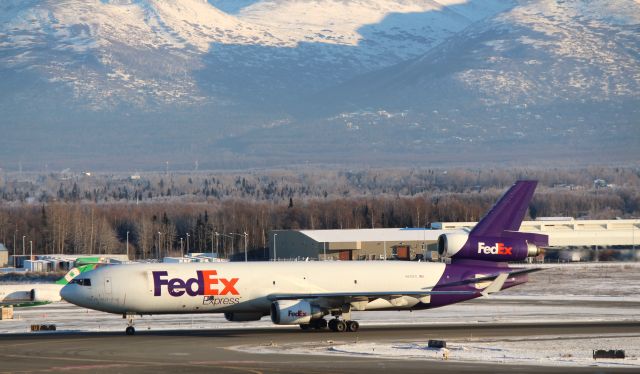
point(489, 277)
point(496, 285)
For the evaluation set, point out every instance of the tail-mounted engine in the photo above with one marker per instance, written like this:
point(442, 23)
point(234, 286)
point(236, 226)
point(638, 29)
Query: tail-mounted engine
point(510, 246)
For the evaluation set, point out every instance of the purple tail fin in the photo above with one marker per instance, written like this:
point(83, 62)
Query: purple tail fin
point(509, 211)
point(496, 236)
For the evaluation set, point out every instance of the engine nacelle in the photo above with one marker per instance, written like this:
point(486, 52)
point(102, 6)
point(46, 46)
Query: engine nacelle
point(450, 244)
point(243, 317)
point(294, 312)
point(512, 246)
point(44, 295)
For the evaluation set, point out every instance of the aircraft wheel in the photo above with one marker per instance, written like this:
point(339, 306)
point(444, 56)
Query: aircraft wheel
point(305, 327)
point(130, 330)
point(332, 324)
point(319, 324)
point(353, 326)
point(340, 326)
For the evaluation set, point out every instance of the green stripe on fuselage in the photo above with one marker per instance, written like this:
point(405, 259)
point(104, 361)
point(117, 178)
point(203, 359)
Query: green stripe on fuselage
point(27, 304)
point(75, 272)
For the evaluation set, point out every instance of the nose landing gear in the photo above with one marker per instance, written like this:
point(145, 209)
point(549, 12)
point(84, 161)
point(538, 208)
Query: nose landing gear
point(130, 330)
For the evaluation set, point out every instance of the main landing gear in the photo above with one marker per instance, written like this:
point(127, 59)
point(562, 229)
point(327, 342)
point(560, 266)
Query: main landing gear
point(336, 325)
point(130, 330)
point(316, 324)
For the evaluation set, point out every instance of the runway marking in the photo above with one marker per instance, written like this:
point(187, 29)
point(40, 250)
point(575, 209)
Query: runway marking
point(108, 364)
point(128, 364)
point(40, 342)
point(87, 367)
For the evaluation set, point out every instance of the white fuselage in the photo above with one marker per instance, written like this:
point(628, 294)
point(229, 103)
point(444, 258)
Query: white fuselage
point(239, 287)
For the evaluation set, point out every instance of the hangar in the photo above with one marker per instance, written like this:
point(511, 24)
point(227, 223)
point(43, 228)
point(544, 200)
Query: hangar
point(418, 243)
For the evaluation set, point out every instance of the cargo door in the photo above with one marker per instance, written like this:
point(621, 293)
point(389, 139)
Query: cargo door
point(107, 286)
point(403, 253)
point(345, 255)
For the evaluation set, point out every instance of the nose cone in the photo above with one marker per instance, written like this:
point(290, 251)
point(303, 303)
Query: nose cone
point(69, 293)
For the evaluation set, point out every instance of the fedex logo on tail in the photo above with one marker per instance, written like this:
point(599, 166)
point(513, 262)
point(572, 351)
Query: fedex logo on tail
point(206, 283)
point(497, 249)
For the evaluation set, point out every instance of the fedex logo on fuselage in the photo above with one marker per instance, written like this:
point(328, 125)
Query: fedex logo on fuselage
point(206, 283)
point(497, 249)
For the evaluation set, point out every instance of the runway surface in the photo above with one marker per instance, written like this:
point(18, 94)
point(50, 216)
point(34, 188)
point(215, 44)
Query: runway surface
point(209, 350)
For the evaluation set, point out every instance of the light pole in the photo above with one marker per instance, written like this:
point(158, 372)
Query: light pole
point(181, 247)
point(275, 257)
point(159, 245)
point(23, 236)
point(245, 243)
point(217, 244)
point(633, 241)
point(31, 250)
point(187, 242)
point(385, 250)
point(127, 245)
point(324, 250)
point(246, 236)
point(15, 233)
point(228, 236)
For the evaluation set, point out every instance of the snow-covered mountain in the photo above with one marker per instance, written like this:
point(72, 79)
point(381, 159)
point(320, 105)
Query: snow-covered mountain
point(543, 68)
point(182, 79)
point(188, 52)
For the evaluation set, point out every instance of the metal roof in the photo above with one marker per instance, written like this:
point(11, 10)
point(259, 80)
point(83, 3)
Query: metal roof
point(373, 235)
point(561, 232)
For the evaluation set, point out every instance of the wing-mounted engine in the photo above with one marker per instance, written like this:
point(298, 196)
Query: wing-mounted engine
point(294, 312)
point(243, 317)
point(40, 295)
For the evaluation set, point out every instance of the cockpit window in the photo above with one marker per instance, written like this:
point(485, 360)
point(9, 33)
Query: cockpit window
point(82, 282)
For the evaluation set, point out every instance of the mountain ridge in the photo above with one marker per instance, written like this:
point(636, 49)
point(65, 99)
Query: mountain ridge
point(192, 80)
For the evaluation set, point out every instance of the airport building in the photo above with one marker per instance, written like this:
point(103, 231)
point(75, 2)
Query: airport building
point(59, 262)
point(4, 256)
point(418, 243)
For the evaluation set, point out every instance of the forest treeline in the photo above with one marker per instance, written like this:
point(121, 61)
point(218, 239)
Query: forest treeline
point(96, 214)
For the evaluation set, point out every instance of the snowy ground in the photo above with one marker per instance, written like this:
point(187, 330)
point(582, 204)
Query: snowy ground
point(545, 350)
point(562, 293)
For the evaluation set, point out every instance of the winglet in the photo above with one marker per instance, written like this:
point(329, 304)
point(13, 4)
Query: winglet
point(496, 285)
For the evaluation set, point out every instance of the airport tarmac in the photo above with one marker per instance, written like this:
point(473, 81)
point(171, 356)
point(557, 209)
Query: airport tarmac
point(214, 350)
point(548, 325)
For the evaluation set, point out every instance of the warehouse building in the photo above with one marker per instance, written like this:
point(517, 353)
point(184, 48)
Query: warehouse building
point(421, 243)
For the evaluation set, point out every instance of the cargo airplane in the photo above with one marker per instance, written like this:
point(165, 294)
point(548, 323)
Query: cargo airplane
point(304, 293)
